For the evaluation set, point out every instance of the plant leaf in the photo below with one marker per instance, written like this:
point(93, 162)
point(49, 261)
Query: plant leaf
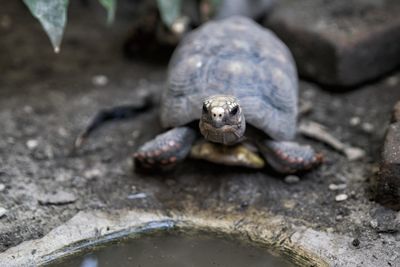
point(110, 6)
point(52, 14)
point(169, 10)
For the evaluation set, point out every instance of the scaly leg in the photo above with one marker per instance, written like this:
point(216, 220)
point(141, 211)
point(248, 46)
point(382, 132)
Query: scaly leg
point(167, 148)
point(289, 157)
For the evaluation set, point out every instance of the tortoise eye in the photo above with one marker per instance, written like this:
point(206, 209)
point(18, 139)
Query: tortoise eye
point(234, 110)
point(205, 110)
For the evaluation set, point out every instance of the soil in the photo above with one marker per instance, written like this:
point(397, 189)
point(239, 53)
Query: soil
point(46, 99)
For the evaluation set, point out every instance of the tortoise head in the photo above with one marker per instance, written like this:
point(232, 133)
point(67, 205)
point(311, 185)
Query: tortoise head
point(222, 120)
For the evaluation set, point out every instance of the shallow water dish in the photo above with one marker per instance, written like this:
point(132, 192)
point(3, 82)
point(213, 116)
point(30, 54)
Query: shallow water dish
point(174, 249)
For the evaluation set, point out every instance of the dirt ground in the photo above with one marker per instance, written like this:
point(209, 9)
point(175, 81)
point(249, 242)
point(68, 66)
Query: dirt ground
point(47, 98)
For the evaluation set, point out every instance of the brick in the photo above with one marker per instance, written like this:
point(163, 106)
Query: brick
point(340, 42)
point(387, 186)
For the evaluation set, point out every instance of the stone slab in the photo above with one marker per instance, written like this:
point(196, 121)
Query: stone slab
point(303, 245)
point(340, 42)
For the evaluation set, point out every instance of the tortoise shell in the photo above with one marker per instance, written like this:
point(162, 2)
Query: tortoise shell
point(234, 56)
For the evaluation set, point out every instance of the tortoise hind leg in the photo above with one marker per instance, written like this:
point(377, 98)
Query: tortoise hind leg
point(289, 157)
point(167, 148)
point(111, 114)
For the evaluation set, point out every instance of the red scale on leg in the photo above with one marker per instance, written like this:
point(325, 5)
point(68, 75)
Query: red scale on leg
point(167, 148)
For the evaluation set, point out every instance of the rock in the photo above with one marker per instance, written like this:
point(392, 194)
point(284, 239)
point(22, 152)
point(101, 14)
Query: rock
point(392, 81)
point(93, 173)
point(340, 42)
point(354, 153)
point(3, 211)
point(2, 187)
point(385, 220)
point(100, 80)
point(28, 109)
point(341, 197)
point(367, 127)
point(58, 198)
point(137, 196)
point(32, 144)
point(355, 242)
point(336, 187)
point(354, 121)
point(386, 185)
point(339, 218)
point(292, 179)
point(374, 223)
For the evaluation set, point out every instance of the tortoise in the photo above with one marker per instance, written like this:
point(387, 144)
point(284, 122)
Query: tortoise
point(233, 80)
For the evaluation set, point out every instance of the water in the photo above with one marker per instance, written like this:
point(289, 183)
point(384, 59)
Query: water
point(176, 250)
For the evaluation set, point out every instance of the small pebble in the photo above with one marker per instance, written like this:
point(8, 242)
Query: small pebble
point(180, 25)
point(374, 223)
point(100, 80)
point(32, 144)
point(244, 204)
point(330, 230)
point(354, 153)
point(135, 134)
point(62, 132)
point(367, 127)
point(341, 197)
point(3, 211)
point(28, 109)
point(339, 218)
point(355, 242)
point(137, 196)
point(292, 179)
point(92, 173)
point(58, 198)
point(392, 81)
point(341, 177)
point(2, 187)
point(354, 121)
point(336, 187)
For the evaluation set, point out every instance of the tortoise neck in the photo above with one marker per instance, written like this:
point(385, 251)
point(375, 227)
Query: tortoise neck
point(254, 134)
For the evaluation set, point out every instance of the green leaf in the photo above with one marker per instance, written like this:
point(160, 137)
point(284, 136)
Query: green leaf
point(110, 6)
point(52, 14)
point(169, 10)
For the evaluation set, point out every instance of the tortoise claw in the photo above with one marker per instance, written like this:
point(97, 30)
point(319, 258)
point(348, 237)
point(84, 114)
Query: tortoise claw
point(290, 157)
point(166, 149)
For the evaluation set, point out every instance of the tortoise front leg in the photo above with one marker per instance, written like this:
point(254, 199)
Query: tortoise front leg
point(289, 157)
point(167, 148)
